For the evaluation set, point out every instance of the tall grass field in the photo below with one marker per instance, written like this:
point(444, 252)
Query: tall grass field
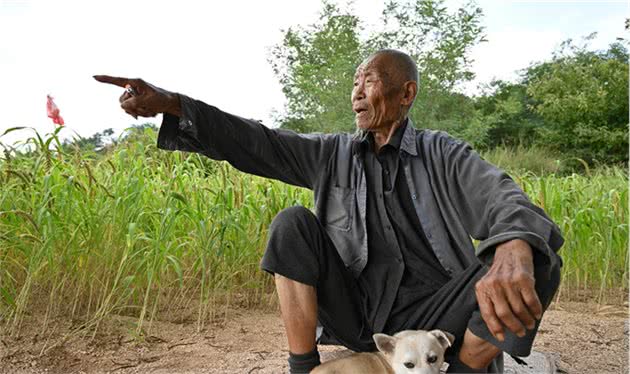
point(147, 233)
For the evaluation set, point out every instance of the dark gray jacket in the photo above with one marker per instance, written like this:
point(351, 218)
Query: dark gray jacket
point(456, 194)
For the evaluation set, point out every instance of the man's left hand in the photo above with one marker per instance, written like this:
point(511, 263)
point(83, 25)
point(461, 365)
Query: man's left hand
point(506, 294)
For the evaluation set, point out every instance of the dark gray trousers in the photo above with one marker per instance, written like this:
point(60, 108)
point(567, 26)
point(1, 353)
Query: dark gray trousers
point(299, 249)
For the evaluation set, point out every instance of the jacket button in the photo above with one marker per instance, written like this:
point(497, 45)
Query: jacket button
point(429, 235)
point(414, 196)
point(184, 124)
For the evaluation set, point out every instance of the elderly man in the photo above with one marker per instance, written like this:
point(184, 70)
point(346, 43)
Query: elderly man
point(389, 246)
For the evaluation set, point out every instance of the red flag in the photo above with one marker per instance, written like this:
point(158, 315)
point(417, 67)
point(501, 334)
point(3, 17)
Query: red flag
point(53, 111)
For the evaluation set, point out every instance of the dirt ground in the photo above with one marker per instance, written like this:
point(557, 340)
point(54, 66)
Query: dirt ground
point(587, 339)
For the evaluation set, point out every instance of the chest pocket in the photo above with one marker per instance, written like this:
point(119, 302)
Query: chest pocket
point(339, 207)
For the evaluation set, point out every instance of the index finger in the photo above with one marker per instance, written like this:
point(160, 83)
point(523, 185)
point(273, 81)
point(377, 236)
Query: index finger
point(117, 81)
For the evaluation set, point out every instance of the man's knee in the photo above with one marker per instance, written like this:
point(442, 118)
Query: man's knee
point(293, 246)
point(292, 218)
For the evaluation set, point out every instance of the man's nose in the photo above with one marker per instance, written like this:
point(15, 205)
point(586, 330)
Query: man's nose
point(358, 92)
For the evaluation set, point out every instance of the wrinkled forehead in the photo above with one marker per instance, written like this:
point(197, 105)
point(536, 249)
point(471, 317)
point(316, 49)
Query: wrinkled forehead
point(361, 71)
point(376, 65)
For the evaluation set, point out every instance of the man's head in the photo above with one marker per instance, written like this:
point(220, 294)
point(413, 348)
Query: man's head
point(385, 85)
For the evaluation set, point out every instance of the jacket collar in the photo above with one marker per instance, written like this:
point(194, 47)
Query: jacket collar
point(408, 143)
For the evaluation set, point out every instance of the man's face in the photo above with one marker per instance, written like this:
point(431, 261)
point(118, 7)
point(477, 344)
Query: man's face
point(376, 99)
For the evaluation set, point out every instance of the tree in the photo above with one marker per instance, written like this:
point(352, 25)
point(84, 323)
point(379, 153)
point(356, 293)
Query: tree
point(506, 112)
point(582, 97)
point(316, 66)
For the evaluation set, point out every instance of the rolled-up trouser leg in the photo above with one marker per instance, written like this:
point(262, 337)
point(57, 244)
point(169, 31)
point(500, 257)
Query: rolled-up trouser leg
point(299, 249)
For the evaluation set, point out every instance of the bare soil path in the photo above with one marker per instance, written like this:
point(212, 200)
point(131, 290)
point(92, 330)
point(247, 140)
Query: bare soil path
point(586, 338)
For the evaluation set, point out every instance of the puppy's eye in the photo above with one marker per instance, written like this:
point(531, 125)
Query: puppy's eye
point(409, 365)
point(431, 359)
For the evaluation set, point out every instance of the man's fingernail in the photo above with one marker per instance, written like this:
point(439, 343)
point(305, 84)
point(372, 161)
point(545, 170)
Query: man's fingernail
point(500, 337)
point(531, 326)
point(520, 334)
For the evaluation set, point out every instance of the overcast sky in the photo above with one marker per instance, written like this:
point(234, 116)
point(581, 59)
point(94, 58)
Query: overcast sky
point(217, 51)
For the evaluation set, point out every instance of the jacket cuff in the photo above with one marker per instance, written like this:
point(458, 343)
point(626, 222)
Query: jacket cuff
point(485, 250)
point(172, 126)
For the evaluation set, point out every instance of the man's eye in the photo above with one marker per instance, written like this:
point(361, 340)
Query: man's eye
point(356, 84)
point(409, 365)
point(431, 359)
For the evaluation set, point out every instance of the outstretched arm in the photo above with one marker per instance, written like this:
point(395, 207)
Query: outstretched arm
point(193, 126)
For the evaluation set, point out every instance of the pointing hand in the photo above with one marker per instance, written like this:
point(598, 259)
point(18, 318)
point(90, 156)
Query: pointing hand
point(145, 99)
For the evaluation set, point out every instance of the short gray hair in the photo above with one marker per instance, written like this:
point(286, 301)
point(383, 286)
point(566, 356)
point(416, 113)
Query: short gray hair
point(403, 63)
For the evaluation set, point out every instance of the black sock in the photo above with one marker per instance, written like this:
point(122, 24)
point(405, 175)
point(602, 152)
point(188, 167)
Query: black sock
point(303, 363)
point(456, 366)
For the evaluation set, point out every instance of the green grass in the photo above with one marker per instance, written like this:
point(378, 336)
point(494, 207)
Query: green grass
point(521, 159)
point(592, 212)
point(148, 233)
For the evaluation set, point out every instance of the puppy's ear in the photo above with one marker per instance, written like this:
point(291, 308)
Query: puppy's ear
point(385, 343)
point(446, 339)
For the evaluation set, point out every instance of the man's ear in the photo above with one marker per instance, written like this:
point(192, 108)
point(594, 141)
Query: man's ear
point(410, 89)
point(446, 339)
point(385, 343)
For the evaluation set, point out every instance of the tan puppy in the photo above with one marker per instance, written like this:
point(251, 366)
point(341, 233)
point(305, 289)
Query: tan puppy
point(407, 352)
